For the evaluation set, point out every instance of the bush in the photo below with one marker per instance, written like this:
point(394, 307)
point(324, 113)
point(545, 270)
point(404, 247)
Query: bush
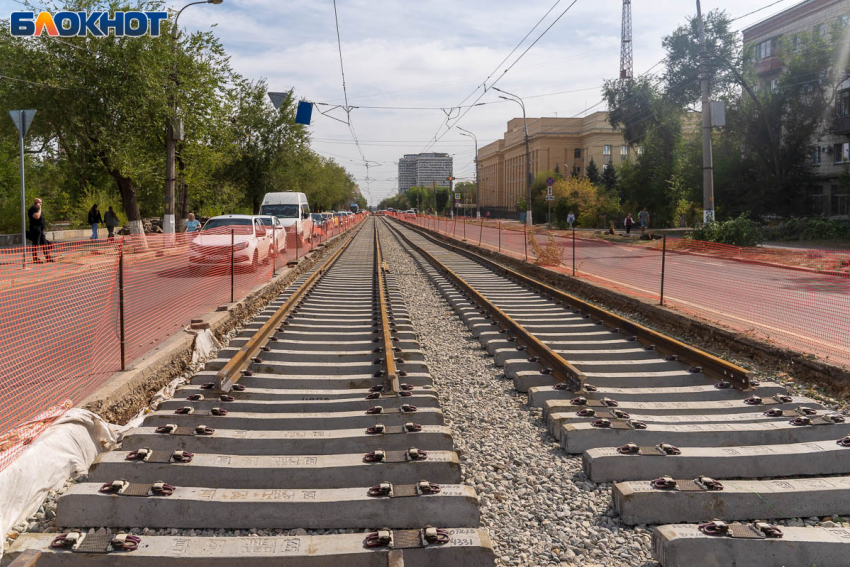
point(740, 231)
point(809, 229)
point(78, 213)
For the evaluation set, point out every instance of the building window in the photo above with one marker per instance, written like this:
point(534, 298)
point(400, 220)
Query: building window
point(820, 31)
point(765, 49)
point(816, 155)
point(606, 150)
point(840, 204)
point(842, 103)
point(774, 84)
point(639, 150)
point(576, 171)
point(624, 151)
point(841, 153)
point(577, 153)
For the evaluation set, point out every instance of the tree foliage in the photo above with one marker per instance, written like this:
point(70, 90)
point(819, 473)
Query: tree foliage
point(99, 132)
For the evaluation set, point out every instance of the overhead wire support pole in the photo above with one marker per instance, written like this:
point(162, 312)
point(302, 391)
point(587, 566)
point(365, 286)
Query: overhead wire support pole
point(707, 158)
point(469, 134)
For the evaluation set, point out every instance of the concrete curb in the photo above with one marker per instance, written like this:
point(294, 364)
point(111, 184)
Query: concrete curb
point(704, 334)
point(125, 393)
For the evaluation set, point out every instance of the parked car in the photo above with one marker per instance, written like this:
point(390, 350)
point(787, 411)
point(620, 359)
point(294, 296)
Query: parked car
point(292, 210)
point(276, 231)
point(252, 243)
point(329, 217)
point(318, 219)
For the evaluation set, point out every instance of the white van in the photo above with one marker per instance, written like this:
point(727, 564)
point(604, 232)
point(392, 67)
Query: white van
point(292, 209)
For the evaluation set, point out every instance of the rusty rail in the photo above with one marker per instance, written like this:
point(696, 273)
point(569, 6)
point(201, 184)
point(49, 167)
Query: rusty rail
point(711, 365)
point(26, 559)
point(233, 370)
point(391, 383)
point(553, 362)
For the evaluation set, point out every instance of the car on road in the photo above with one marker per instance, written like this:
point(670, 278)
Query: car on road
point(318, 220)
point(252, 243)
point(292, 210)
point(330, 220)
point(276, 231)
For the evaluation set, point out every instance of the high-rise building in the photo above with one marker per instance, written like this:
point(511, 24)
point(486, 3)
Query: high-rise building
point(423, 170)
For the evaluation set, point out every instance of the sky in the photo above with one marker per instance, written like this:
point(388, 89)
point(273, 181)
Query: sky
point(436, 54)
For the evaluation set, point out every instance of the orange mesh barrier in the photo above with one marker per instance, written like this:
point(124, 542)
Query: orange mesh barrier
point(799, 299)
point(61, 320)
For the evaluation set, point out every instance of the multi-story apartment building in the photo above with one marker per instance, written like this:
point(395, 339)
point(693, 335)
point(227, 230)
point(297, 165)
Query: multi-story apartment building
point(830, 155)
point(420, 170)
point(567, 144)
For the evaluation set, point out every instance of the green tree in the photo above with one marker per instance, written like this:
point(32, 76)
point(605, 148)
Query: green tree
point(609, 177)
point(592, 172)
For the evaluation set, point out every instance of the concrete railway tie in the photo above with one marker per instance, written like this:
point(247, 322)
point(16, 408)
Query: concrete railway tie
point(659, 417)
point(320, 415)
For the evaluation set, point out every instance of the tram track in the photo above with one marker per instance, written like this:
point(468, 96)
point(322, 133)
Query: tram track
point(674, 428)
point(320, 415)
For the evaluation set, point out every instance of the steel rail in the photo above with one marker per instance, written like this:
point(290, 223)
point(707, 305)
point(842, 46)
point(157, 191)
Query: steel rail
point(233, 370)
point(559, 367)
point(391, 383)
point(711, 365)
point(26, 559)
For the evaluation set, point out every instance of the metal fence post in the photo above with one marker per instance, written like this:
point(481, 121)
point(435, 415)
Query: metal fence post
point(574, 251)
point(464, 225)
point(296, 241)
point(232, 267)
point(274, 246)
point(480, 232)
point(663, 262)
point(525, 240)
point(121, 302)
point(500, 235)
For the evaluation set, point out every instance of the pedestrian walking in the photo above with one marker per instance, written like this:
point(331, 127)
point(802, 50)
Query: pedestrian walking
point(110, 219)
point(192, 225)
point(94, 220)
point(628, 223)
point(487, 214)
point(571, 218)
point(36, 233)
point(644, 220)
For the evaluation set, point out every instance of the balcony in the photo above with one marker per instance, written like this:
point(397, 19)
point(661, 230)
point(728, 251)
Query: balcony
point(842, 125)
point(768, 65)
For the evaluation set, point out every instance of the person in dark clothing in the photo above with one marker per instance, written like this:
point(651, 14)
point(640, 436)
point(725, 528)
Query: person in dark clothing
point(36, 233)
point(111, 221)
point(94, 220)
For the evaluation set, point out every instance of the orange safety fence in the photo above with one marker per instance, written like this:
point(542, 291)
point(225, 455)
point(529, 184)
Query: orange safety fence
point(798, 299)
point(64, 309)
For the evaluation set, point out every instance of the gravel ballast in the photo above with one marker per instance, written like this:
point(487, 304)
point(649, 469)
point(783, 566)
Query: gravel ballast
point(535, 500)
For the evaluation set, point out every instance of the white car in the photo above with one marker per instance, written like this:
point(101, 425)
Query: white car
point(276, 231)
point(252, 243)
point(292, 210)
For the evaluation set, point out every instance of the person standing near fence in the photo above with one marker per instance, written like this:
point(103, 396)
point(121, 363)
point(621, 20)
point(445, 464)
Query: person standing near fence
point(571, 218)
point(192, 225)
point(94, 220)
point(628, 223)
point(110, 219)
point(36, 233)
point(644, 220)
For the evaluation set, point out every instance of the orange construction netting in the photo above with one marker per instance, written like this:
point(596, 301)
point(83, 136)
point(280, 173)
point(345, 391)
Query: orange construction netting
point(61, 308)
point(798, 299)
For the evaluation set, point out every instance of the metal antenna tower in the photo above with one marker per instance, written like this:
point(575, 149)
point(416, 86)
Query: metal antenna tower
point(626, 64)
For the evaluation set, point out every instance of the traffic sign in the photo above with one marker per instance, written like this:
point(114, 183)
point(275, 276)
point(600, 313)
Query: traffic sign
point(22, 120)
point(549, 191)
point(549, 198)
point(457, 196)
point(550, 181)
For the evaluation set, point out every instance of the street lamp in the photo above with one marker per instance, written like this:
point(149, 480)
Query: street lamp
point(168, 225)
point(519, 101)
point(469, 134)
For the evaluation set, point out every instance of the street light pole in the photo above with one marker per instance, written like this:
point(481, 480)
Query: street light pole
point(469, 134)
point(168, 224)
point(707, 158)
point(529, 180)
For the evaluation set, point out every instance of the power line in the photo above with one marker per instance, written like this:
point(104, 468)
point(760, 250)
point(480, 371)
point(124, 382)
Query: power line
point(757, 10)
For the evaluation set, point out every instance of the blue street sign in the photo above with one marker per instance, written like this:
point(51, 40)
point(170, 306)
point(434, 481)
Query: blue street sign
point(550, 181)
point(304, 113)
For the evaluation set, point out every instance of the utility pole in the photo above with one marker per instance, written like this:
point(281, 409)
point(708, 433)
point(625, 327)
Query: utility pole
point(626, 65)
point(529, 178)
point(469, 134)
point(22, 120)
point(171, 136)
point(707, 158)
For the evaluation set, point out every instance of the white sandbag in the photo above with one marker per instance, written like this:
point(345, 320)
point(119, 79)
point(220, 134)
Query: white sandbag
point(66, 448)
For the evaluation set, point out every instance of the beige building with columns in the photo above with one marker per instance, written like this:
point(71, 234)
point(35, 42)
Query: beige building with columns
point(568, 143)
